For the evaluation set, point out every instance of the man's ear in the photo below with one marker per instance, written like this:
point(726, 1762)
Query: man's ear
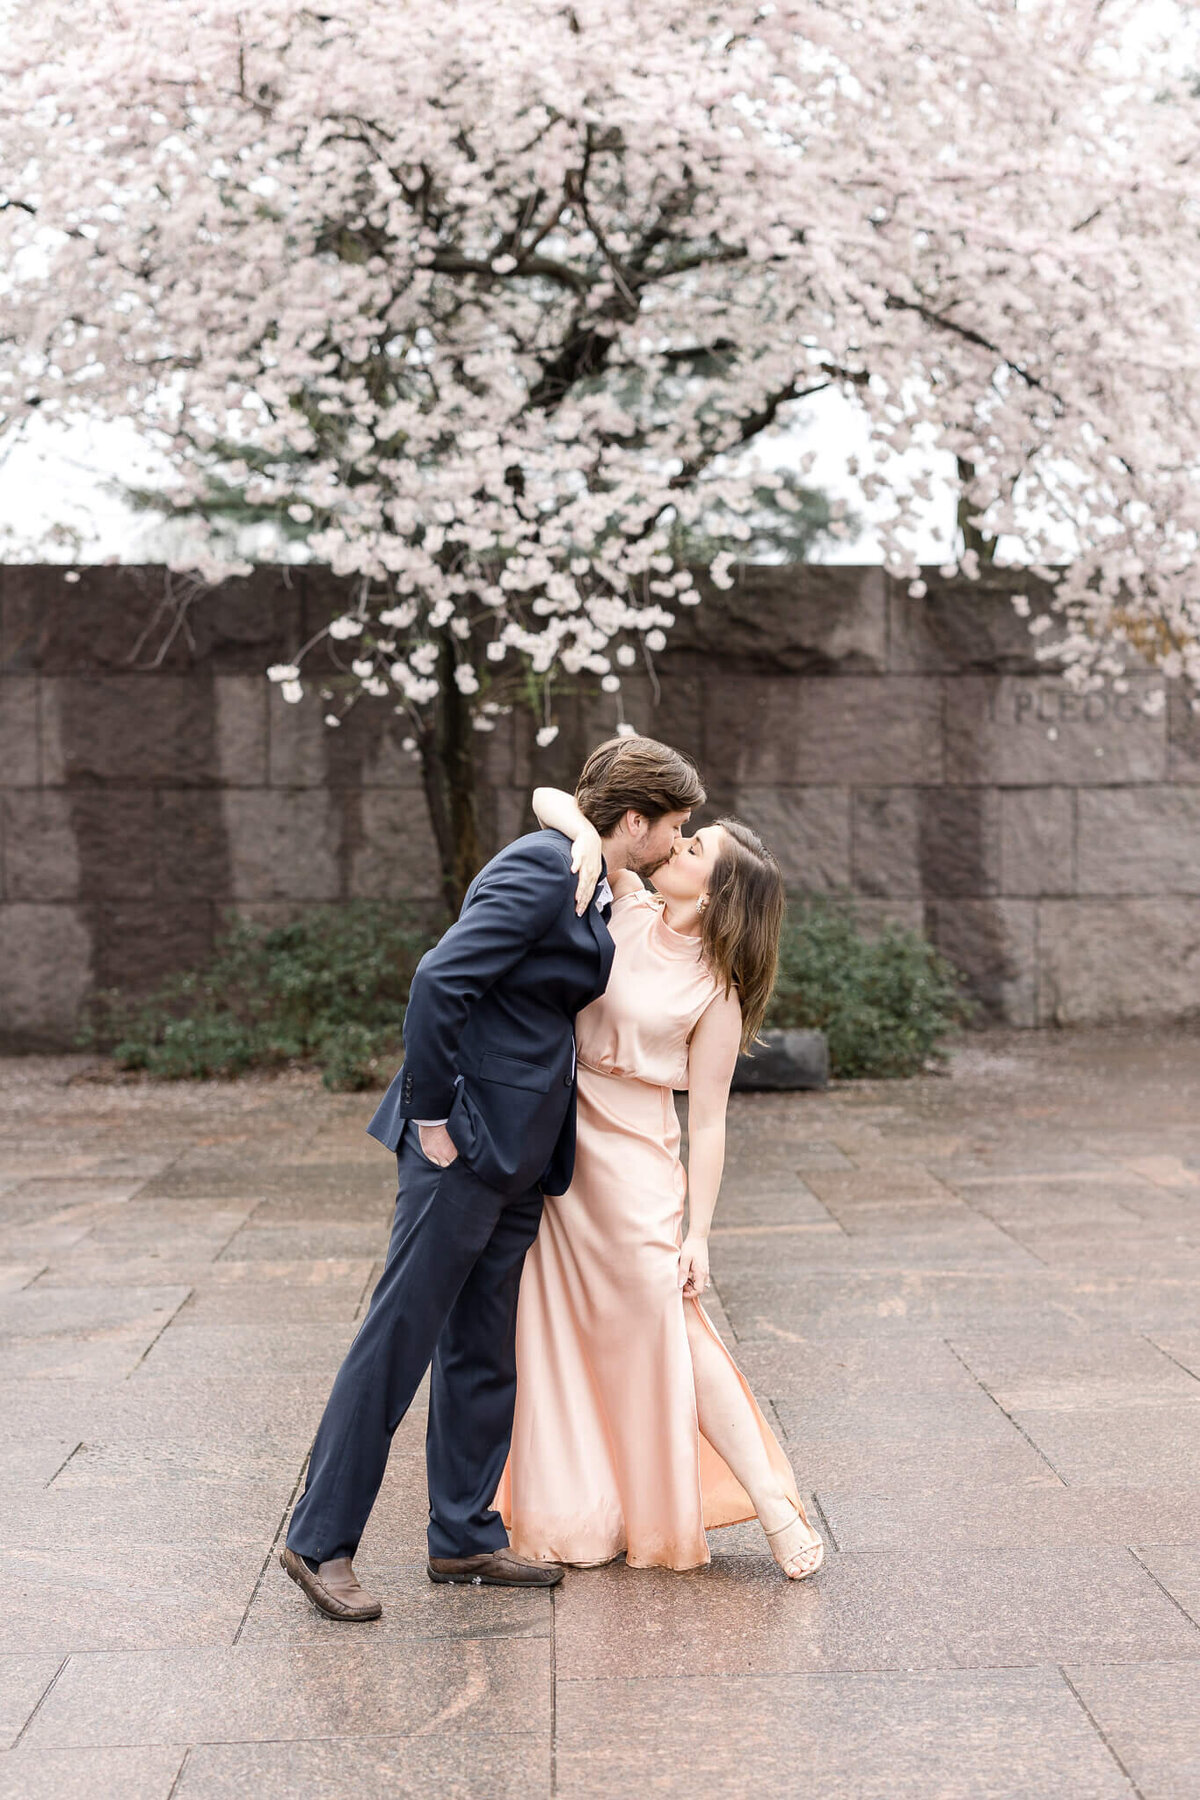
point(634, 823)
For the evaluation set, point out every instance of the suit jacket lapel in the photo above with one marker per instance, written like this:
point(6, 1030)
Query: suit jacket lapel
point(602, 936)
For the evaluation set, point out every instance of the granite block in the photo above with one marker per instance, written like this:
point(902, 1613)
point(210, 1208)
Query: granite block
point(808, 829)
point(283, 844)
point(76, 1358)
point(1149, 1712)
point(855, 729)
point(123, 1596)
point(778, 1305)
point(1143, 840)
point(887, 841)
point(306, 1243)
point(23, 1681)
point(265, 1693)
point(137, 943)
point(958, 840)
point(37, 1310)
point(307, 1347)
point(1100, 961)
point(992, 944)
point(41, 855)
point(1153, 1444)
point(1176, 1567)
point(452, 1765)
point(1037, 840)
point(45, 972)
point(20, 757)
point(1012, 1518)
point(835, 619)
point(929, 1609)
point(152, 730)
point(1060, 1369)
point(957, 626)
point(137, 1774)
point(262, 1291)
point(393, 853)
point(877, 1736)
point(1183, 733)
point(150, 1514)
point(191, 853)
point(1034, 731)
point(240, 728)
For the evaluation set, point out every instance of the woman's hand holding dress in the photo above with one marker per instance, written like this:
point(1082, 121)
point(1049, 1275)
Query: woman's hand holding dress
point(693, 1266)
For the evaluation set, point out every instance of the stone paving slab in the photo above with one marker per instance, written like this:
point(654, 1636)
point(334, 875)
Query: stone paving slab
point(1153, 1445)
point(999, 1734)
point(125, 1595)
point(1010, 1518)
point(764, 1301)
point(1073, 1368)
point(92, 1516)
point(134, 1774)
point(250, 1350)
point(1150, 1714)
point(971, 1306)
point(1176, 1567)
point(932, 1608)
point(24, 1679)
point(262, 1693)
point(452, 1766)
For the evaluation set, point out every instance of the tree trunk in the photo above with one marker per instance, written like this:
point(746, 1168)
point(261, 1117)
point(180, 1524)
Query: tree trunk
point(447, 750)
point(973, 539)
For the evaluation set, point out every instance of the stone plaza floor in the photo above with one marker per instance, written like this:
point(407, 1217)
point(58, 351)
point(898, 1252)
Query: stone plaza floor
point(971, 1304)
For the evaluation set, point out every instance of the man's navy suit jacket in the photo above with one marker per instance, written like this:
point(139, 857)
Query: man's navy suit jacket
point(489, 1036)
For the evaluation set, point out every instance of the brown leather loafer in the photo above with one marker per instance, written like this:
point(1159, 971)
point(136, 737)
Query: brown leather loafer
point(496, 1568)
point(333, 1589)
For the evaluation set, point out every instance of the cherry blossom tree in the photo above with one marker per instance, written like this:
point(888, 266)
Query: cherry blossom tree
point(497, 299)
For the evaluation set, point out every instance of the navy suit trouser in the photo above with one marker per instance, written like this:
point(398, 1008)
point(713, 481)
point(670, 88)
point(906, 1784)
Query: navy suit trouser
point(447, 1296)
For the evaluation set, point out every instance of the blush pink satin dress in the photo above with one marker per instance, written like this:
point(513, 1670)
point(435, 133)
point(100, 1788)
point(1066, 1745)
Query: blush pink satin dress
point(607, 1455)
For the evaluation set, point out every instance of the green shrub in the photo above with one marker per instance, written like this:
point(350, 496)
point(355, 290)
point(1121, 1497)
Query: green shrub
point(329, 989)
point(883, 1002)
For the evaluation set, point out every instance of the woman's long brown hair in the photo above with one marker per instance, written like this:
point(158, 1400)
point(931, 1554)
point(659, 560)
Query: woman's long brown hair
point(742, 922)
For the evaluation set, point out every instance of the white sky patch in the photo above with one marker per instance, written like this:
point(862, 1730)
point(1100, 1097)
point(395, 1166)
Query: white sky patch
point(60, 499)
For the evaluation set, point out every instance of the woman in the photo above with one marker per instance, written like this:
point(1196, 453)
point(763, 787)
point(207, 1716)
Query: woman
point(634, 1429)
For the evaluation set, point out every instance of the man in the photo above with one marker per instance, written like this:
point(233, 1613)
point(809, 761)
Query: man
point(482, 1119)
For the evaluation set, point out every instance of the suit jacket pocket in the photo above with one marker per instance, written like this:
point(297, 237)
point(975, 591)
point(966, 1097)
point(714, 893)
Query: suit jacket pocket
point(510, 1071)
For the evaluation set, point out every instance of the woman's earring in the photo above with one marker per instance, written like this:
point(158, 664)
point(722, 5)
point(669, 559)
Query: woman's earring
point(701, 903)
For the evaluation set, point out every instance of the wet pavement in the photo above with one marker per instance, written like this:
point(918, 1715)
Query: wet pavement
point(971, 1304)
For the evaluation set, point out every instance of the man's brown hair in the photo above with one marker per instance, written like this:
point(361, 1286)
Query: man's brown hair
point(636, 774)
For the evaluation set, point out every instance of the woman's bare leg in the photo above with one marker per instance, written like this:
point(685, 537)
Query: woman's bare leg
point(727, 1420)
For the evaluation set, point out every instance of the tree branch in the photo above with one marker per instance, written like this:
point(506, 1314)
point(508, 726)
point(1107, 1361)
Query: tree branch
point(895, 303)
point(453, 262)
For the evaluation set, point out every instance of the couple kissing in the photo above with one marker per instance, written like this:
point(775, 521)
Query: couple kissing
point(581, 1404)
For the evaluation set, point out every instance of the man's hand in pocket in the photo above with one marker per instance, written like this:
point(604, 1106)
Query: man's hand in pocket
point(437, 1145)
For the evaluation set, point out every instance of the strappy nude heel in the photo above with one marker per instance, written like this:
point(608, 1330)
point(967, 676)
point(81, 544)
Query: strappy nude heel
point(803, 1563)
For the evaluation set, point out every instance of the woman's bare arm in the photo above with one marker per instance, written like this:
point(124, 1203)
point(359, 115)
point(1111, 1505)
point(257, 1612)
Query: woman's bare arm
point(558, 811)
point(712, 1054)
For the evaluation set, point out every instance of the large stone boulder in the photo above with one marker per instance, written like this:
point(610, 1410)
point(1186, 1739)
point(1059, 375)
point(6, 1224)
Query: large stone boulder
point(785, 1060)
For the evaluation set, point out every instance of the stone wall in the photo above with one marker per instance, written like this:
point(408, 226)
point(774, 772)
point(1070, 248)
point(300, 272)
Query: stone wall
point(910, 751)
